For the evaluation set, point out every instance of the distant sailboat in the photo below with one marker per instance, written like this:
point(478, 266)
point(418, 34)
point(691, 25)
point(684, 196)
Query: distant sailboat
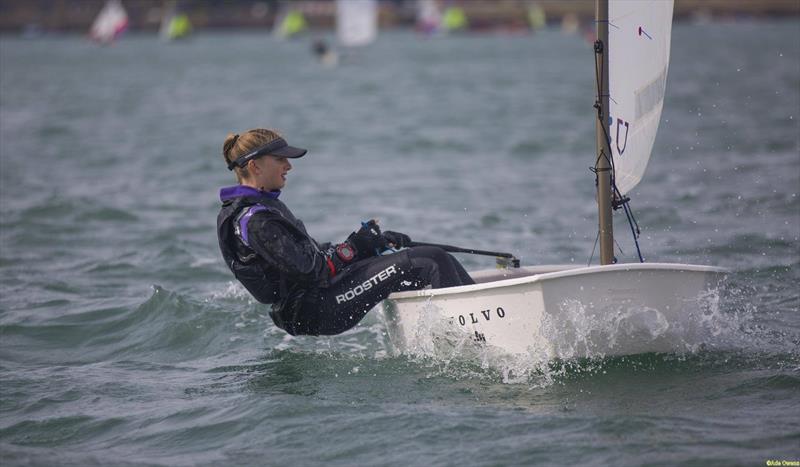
point(454, 19)
point(289, 24)
point(570, 24)
point(429, 18)
point(537, 18)
point(110, 23)
point(174, 25)
point(356, 22)
point(325, 54)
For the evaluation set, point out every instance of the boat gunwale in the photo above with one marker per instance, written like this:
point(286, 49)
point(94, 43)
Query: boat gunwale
point(534, 278)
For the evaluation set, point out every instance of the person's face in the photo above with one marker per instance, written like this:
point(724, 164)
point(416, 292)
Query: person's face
point(270, 172)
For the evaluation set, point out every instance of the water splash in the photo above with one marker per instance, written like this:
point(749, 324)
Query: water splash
point(578, 331)
point(232, 290)
point(450, 351)
point(577, 340)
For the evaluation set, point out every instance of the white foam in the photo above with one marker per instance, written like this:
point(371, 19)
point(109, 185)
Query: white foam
point(233, 290)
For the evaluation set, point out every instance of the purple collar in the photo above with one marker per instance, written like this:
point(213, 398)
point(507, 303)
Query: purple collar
point(240, 191)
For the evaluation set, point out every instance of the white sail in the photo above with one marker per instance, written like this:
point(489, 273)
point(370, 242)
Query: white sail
point(110, 23)
point(356, 22)
point(638, 54)
point(429, 18)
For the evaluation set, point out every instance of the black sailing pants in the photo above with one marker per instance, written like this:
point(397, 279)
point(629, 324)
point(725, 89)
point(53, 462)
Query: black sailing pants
point(362, 285)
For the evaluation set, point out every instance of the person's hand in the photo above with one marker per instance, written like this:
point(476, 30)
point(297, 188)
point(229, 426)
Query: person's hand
point(367, 241)
point(397, 239)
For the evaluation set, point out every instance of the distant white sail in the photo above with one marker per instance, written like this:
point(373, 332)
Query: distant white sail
point(429, 18)
point(356, 22)
point(638, 53)
point(110, 23)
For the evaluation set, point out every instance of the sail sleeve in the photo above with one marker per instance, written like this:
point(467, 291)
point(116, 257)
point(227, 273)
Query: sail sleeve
point(639, 41)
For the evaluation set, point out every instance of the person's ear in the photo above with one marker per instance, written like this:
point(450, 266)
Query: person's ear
point(252, 167)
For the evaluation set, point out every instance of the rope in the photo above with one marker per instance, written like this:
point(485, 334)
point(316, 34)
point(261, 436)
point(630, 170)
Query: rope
point(594, 247)
point(624, 201)
point(635, 232)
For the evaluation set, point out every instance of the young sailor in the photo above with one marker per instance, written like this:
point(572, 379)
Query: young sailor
point(314, 289)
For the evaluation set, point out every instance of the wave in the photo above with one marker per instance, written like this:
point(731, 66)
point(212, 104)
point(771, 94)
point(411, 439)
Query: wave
point(57, 210)
point(167, 327)
point(227, 325)
point(313, 373)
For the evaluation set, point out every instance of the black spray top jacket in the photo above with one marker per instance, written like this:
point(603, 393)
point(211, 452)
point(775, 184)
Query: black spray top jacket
point(266, 247)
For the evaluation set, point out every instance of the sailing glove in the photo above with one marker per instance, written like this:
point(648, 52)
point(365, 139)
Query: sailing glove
point(397, 239)
point(367, 241)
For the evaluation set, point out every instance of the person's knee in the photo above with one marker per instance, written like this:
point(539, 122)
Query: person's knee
point(432, 252)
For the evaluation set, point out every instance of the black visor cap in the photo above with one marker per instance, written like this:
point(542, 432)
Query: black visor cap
point(277, 147)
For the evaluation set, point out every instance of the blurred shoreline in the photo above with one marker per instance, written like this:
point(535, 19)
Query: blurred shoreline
point(70, 16)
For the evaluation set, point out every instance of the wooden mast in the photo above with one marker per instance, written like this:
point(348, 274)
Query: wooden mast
point(603, 166)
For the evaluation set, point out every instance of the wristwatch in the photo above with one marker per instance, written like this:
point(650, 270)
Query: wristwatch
point(345, 252)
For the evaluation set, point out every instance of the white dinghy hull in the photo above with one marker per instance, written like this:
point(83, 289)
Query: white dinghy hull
point(563, 311)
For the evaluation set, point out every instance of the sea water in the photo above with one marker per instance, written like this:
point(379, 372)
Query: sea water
point(124, 339)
